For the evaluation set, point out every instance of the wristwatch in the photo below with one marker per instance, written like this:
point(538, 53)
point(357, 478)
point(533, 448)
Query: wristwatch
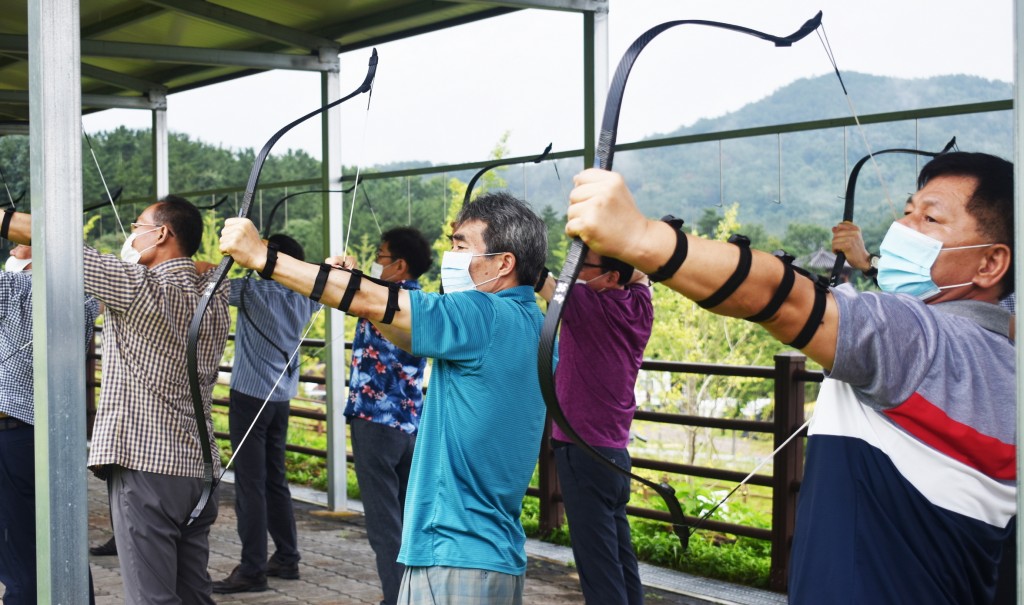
point(872, 271)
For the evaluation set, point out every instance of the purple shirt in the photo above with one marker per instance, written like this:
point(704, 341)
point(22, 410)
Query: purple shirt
point(600, 348)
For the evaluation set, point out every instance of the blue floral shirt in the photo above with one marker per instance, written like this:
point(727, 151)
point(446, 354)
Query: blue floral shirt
point(386, 385)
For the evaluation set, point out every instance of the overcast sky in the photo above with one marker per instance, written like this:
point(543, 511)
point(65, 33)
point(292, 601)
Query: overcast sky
point(448, 96)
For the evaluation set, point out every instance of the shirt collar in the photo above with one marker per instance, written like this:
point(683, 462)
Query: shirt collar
point(990, 316)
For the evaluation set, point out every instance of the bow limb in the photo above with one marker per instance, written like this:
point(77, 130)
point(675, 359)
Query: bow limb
point(116, 193)
point(851, 186)
point(578, 250)
point(192, 347)
point(489, 167)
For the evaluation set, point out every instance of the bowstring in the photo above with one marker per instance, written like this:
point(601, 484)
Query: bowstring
point(8, 188)
point(355, 187)
point(823, 37)
point(280, 377)
point(826, 45)
point(103, 180)
point(315, 316)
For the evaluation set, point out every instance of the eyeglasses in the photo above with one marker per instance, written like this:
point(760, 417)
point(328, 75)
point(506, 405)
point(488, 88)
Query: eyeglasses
point(137, 225)
point(592, 265)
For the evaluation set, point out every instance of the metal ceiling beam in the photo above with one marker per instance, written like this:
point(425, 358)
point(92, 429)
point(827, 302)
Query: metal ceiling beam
point(119, 21)
point(120, 80)
point(577, 6)
point(20, 97)
point(183, 54)
point(20, 128)
point(245, 22)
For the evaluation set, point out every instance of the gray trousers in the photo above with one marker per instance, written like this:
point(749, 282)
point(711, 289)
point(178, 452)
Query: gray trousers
point(163, 562)
point(383, 456)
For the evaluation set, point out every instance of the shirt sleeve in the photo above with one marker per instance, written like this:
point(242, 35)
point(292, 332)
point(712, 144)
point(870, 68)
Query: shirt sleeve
point(111, 280)
point(235, 292)
point(454, 327)
point(886, 344)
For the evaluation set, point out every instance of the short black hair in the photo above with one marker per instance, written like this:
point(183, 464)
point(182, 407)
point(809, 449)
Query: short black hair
point(184, 221)
point(288, 245)
point(408, 244)
point(613, 264)
point(511, 227)
point(991, 204)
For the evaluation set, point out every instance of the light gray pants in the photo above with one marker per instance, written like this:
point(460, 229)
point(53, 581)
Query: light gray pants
point(163, 562)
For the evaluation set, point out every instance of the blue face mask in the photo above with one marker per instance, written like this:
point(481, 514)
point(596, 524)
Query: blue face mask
point(905, 266)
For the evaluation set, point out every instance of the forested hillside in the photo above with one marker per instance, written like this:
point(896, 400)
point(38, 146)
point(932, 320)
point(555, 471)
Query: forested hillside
point(793, 205)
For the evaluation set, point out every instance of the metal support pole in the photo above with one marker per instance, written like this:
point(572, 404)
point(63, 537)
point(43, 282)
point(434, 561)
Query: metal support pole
point(337, 469)
point(55, 142)
point(1018, 228)
point(595, 79)
point(161, 163)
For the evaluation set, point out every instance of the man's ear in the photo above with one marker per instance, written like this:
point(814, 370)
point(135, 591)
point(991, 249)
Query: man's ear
point(508, 264)
point(993, 266)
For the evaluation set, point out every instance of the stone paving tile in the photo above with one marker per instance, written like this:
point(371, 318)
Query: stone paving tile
point(337, 566)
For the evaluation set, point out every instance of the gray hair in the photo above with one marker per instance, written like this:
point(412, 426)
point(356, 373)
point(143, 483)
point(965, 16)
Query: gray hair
point(511, 227)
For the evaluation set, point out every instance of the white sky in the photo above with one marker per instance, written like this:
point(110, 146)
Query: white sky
point(448, 96)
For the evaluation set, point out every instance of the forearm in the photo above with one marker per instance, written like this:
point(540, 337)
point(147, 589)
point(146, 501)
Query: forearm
point(19, 229)
point(370, 301)
point(709, 264)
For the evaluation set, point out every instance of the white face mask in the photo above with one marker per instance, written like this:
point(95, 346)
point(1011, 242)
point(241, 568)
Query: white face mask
point(128, 252)
point(455, 275)
point(17, 265)
point(377, 269)
point(584, 282)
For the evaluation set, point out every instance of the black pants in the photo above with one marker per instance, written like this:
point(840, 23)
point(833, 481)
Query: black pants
point(263, 502)
point(18, 515)
point(595, 500)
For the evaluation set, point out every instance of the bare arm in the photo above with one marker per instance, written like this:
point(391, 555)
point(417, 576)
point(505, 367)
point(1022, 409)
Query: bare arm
point(20, 229)
point(241, 240)
point(605, 216)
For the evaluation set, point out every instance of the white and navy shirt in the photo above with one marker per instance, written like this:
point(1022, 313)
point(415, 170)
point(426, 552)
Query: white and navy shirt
point(910, 486)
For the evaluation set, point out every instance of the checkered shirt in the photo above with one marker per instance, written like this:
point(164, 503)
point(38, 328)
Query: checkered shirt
point(16, 390)
point(145, 419)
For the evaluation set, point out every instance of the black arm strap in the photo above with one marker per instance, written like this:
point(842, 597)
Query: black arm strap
point(354, 279)
point(321, 282)
point(814, 320)
point(392, 307)
point(268, 268)
point(6, 225)
point(738, 276)
point(544, 272)
point(785, 287)
point(678, 254)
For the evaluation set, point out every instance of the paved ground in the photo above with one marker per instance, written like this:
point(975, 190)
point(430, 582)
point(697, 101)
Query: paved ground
point(337, 565)
point(336, 568)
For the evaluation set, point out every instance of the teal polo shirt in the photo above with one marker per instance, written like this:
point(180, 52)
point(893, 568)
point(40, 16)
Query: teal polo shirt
point(480, 433)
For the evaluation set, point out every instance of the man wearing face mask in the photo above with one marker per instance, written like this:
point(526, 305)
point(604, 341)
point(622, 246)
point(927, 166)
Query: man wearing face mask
point(847, 238)
point(605, 328)
point(17, 417)
point(145, 441)
point(483, 417)
point(909, 492)
point(264, 379)
point(385, 403)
